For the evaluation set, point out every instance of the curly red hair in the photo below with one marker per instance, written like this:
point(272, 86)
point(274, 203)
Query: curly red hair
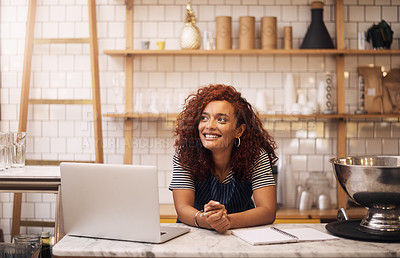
point(197, 159)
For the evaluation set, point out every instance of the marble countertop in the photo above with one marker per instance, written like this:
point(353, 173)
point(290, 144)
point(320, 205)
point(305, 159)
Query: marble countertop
point(30, 179)
point(206, 243)
point(31, 172)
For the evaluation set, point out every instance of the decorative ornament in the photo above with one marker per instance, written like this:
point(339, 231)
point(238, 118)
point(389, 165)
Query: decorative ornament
point(190, 35)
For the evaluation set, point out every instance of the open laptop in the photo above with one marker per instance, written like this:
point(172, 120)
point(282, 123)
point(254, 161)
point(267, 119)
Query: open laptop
point(113, 202)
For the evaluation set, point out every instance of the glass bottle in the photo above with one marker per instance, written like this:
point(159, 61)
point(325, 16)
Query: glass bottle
point(361, 96)
point(317, 36)
point(45, 250)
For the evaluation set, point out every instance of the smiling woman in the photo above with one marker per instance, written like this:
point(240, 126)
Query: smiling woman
point(223, 158)
point(217, 127)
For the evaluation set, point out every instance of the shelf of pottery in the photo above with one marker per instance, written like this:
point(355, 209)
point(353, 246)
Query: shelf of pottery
point(317, 41)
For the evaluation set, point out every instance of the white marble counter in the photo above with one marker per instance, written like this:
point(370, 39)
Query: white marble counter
point(32, 172)
point(30, 179)
point(207, 243)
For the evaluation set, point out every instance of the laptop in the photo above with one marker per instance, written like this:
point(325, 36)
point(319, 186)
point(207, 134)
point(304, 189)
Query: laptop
point(113, 202)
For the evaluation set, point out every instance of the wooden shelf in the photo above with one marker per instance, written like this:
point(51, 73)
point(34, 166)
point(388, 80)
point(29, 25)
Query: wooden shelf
point(299, 116)
point(332, 116)
point(254, 52)
point(331, 214)
point(225, 52)
point(370, 52)
point(173, 116)
point(167, 211)
point(372, 116)
point(129, 115)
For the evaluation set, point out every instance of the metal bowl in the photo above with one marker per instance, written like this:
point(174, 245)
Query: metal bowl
point(373, 182)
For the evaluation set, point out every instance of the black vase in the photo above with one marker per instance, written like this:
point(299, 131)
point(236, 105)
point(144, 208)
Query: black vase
point(317, 35)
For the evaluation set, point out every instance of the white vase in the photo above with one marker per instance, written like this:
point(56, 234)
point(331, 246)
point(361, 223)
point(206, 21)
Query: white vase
point(190, 36)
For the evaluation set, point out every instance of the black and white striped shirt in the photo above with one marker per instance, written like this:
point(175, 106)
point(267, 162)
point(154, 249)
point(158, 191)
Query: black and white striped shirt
point(234, 194)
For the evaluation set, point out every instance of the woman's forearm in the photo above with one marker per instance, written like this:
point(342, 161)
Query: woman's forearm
point(186, 214)
point(253, 217)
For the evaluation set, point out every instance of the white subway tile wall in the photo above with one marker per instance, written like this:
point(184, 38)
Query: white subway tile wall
point(162, 83)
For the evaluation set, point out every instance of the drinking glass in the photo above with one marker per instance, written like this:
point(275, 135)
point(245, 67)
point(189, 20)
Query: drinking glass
point(9, 150)
point(3, 157)
point(208, 41)
point(19, 149)
point(361, 40)
point(160, 45)
point(145, 44)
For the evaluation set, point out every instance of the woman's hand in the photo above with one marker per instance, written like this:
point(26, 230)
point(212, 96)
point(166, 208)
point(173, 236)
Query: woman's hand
point(216, 216)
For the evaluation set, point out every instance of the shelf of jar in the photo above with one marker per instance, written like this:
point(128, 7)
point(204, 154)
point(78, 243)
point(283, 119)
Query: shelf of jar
point(173, 116)
point(254, 52)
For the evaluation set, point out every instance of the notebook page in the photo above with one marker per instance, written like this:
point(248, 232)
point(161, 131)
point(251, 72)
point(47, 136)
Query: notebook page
point(309, 234)
point(262, 236)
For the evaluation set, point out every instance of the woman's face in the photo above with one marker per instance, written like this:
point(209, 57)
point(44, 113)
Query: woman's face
point(217, 127)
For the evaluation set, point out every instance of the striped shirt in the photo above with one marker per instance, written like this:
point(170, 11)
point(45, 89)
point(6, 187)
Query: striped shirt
point(234, 194)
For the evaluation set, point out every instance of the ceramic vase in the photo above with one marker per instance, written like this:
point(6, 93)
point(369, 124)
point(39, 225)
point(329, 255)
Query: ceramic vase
point(287, 37)
point(247, 32)
point(268, 33)
point(223, 32)
point(317, 36)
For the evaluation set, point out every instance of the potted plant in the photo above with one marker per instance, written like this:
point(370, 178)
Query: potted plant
point(380, 35)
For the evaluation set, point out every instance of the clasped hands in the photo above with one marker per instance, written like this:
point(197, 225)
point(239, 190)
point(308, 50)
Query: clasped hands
point(216, 216)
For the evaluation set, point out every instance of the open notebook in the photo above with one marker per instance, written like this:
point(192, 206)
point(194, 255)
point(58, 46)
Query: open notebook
point(273, 235)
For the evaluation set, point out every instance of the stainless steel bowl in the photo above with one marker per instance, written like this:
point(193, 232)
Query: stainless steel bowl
point(373, 182)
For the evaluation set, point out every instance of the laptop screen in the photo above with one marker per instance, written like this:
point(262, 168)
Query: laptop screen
point(110, 201)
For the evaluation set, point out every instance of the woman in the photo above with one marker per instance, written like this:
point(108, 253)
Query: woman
point(223, 159)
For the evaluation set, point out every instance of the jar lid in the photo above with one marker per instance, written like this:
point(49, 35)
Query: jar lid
point(317, 5)
point(29, 238)
point(45, 234)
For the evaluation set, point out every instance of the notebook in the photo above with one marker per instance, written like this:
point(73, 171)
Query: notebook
point(273, 235)
point(113, 202)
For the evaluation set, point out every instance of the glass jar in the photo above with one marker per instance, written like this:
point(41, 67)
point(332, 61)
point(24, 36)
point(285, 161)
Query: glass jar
point(27, 245)
point(45, 250)
point(317, 184)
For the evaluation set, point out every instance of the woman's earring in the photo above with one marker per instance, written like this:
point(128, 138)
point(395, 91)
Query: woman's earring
point(237, 143)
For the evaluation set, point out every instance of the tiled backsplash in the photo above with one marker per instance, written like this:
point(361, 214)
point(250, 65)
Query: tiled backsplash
point(63, 71)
